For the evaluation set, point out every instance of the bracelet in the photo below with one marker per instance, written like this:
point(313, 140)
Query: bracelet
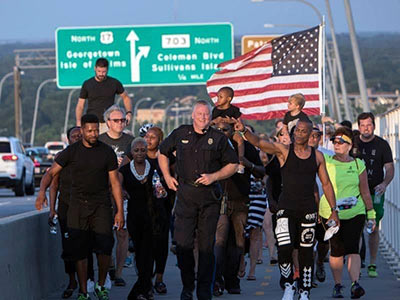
point(129, 112)
point(242, 133)
point(335, 208)
point(371, 214)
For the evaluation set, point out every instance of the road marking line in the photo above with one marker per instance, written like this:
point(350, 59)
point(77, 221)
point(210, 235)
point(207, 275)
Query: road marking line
point(260, 293)
point(264, 283)
point(268, 270)
point(5, 203)
point(267, 277)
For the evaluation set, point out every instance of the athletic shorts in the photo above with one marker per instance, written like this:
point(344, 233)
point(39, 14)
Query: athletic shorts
point(378, 207)
point(89, 229)
point(346, 240)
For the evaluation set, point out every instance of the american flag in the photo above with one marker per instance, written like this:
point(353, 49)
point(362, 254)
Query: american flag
point(263, 79)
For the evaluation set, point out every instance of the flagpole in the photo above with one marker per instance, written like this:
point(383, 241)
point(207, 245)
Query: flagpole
point(323, 100)
point(322, 107)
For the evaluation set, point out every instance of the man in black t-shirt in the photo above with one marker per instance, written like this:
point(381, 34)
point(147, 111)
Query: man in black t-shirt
point(120, 142)
point(377, 156)
point(93, 166)
point(100, 91)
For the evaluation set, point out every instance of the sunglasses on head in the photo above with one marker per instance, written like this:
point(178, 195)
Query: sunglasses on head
point(123, 120)
point(222, 129)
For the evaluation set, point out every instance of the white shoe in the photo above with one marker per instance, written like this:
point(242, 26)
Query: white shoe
point(303, 295)
point(289, 291)
point(108, 282)
point(90, 286)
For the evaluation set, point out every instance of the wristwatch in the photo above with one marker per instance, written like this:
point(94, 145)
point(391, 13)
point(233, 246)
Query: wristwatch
point(335, 208)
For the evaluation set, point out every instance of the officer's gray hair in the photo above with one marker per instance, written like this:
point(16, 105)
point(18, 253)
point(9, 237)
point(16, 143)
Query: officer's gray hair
point(138, 140)
point(111, 109)
point(202, 102)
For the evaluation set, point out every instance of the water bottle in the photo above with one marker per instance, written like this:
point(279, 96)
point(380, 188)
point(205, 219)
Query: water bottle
point(370, 226)
point(159, 190)
point(240, 169)
point(53, 224)
point(377, 197)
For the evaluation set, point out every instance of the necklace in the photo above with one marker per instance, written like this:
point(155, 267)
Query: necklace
point(146, 170)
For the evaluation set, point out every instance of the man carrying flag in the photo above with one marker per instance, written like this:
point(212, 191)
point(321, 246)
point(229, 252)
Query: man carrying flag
point(263, 80)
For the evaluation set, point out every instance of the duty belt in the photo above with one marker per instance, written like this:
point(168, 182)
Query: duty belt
point(195, 184)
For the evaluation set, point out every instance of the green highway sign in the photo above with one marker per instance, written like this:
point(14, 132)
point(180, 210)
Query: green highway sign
point(148, 55)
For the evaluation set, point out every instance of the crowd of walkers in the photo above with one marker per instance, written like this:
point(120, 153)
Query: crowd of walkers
point(216, 186)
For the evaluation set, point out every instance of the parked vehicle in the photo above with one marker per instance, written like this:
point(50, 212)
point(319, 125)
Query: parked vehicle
point(16, 168)
point(42, 161)
point(55, 147)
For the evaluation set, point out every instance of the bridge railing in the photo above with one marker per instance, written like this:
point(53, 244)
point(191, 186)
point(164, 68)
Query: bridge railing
point(388, 127)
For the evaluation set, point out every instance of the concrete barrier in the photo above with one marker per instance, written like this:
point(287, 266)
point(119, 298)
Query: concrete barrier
point(30, 263)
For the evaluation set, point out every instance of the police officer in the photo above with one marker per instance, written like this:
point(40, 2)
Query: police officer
point(204, 156)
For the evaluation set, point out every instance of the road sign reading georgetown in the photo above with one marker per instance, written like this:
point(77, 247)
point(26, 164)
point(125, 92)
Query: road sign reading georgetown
point(143, 55)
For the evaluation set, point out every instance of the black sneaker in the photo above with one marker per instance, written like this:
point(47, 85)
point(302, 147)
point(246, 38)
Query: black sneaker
point(356, 290)
point(320, 272)
point(186, 294)
point(218, 290)
point(337, 291)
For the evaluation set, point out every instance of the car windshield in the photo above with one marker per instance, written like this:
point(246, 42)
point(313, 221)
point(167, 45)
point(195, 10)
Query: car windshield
point(5, 147)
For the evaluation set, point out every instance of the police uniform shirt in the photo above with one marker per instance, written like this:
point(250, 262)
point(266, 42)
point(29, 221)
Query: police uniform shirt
point(198, 153)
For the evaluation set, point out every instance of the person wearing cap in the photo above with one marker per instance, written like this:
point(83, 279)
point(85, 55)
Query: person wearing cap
point(353, 202)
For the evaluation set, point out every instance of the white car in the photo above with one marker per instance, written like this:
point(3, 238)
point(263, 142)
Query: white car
point(16, 168)
point(55, 147)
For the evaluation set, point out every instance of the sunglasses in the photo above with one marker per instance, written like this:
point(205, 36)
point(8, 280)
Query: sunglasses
point(340, 142)
point(123, 120)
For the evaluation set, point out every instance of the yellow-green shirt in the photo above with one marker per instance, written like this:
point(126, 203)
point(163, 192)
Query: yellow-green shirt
point(345, 181)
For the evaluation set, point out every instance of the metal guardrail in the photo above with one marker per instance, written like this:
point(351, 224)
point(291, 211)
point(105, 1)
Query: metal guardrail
point(388, 127)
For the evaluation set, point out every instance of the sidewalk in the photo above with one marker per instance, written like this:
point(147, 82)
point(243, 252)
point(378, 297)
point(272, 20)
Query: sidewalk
point(385, 287)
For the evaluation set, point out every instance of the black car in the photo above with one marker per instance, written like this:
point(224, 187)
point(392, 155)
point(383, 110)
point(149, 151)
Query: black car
point(42, 161)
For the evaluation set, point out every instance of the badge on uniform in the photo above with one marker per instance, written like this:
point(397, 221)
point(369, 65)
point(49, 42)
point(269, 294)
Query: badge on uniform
point(210, 141)
point(185, 141)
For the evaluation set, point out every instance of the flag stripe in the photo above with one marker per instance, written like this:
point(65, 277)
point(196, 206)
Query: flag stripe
point(273, 100)
point(278, 114)
point(266, 48)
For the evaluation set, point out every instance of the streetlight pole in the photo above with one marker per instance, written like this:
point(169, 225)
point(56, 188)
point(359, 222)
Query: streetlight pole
point(135, 112)
point(357, 59)
point(36, 108)
point(152, 108)
point(67, 110)
point(338, 64)
point(166, 114)
point(2, 81)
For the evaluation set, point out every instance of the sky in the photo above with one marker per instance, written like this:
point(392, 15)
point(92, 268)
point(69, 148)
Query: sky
point(31, 21)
